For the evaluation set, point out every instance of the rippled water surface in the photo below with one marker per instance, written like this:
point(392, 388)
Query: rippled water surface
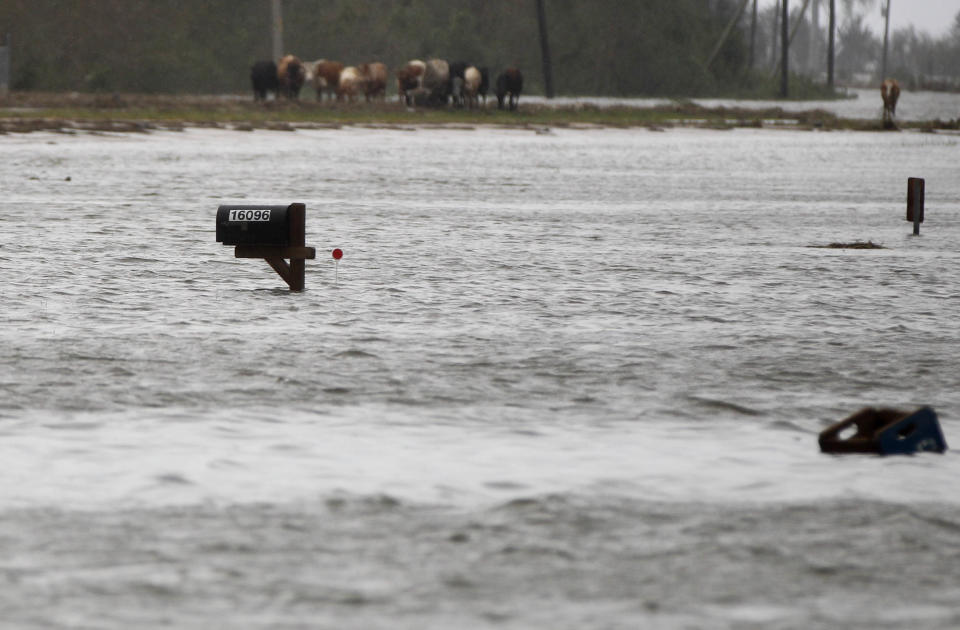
point(563, 379)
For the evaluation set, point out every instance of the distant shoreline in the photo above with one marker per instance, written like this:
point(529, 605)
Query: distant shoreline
point(24, 112)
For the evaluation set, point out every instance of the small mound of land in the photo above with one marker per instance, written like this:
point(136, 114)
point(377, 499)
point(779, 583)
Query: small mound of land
point(853, 245)
point(75, 111)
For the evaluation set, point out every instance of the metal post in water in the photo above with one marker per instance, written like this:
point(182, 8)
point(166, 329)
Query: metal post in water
point(915, 193)
point(337, 255)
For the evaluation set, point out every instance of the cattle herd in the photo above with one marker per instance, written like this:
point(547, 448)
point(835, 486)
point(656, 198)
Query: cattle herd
point(434, 82)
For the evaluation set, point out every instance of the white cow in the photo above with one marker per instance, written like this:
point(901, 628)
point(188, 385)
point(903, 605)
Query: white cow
point(471, 85)
point(351, 84)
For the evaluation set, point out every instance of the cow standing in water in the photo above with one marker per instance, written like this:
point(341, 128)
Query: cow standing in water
point(509, 84)
point(890, 92)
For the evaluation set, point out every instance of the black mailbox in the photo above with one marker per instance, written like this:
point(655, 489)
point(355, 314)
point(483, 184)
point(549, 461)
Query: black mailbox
point(253, 225)
point(274, 233)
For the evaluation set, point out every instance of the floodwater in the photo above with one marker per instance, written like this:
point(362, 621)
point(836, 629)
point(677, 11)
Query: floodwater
point(563, 379)
point(860, 104)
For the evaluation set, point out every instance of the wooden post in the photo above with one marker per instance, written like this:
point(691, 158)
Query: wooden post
point(830, 42)
point(886, 40)
point(785, 50)
point(5, 67)
point(793, 31)
point(773, 37)
point(813, 58)
point(726, 33)
point(298, 229)
point(545, 50)
point(277, 15)
point(915, 192)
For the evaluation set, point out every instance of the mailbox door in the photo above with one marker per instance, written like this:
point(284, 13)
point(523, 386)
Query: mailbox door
point(253, 225)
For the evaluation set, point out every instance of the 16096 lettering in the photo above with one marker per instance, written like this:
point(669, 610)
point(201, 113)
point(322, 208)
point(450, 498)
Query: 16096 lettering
point(248, 214)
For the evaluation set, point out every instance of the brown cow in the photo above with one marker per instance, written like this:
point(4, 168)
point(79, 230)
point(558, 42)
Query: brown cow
point(374, 77)
point(290, 76)
point(409, 78)
point(890, 92)
point(325, 76)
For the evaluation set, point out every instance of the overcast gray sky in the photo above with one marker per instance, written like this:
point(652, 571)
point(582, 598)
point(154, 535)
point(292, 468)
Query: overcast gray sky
point(933, 16)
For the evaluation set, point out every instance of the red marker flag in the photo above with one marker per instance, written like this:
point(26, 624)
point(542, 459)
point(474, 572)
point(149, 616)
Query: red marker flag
point(337, 254)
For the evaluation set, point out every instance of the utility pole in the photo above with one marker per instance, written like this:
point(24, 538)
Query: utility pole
point(726, 32)
point(773, 37)
point(5, 70)
point(277, 30)
point(545, 50)
point(785, 50)
point(813, 57)
point(793, 32)
point(813, 62)
point(830, 42)
point(886, 39)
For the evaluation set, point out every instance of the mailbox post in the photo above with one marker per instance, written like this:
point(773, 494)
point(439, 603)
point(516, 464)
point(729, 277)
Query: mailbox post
point(915, 193)
point(273, 233)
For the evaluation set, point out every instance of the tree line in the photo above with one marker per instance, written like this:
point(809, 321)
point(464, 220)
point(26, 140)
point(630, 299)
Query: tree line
point(602, 47)
point(916, 59)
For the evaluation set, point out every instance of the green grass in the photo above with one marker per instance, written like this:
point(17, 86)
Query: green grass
point(396, 115)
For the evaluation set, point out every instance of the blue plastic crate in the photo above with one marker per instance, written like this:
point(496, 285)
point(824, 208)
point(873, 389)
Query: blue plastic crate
point(920, 431)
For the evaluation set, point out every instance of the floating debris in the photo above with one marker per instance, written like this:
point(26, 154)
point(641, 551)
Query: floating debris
point(885, 432)
point(853, 245)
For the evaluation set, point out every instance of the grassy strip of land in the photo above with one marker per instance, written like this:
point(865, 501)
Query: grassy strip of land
point(24, 112)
